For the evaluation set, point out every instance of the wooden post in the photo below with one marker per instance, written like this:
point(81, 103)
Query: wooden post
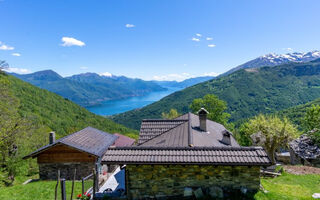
point(74, 178)
point(63, 189)
point(97, 176)
point(82, 185)
point(94, 184)
point(56, 189)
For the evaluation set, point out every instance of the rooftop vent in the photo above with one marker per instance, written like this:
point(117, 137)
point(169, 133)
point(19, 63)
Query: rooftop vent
point(203, 119)
point(226, 137)
point(52, 137)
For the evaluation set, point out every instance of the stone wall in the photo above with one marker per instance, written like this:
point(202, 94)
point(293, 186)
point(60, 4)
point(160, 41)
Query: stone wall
point(173, 180)
point(48, 171)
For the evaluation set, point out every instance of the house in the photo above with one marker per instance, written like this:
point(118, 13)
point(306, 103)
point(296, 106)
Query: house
point(189, 153)
point(81, 150)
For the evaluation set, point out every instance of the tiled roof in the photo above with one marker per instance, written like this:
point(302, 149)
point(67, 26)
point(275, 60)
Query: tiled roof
point(123, 141)
point(89, 140)
point(181, 132)
point(246, 156)
point(153, 127)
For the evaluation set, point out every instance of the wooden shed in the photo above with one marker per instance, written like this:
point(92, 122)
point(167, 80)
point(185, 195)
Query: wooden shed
point(80, 150)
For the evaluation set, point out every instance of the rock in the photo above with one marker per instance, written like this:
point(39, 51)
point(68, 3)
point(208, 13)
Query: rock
point(198, 193)
point(216, 192)
point(316, 195)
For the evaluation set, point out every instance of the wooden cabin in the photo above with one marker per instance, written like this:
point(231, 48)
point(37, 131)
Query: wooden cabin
point(80, 150)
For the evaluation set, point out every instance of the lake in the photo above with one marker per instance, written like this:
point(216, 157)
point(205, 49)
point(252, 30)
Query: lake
point(122, 105)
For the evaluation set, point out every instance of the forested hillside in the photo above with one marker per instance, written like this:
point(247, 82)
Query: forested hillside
point(55, 112)
point(247, 92)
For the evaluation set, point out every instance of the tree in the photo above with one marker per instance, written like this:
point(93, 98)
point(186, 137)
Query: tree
point(312, 123)
point(173, 113)
point(214, 106)
point(271, 132)
point(3, 65)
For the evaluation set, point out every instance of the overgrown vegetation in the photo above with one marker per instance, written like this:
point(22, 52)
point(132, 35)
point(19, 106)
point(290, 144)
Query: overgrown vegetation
point(268, 131)
point(247, 93)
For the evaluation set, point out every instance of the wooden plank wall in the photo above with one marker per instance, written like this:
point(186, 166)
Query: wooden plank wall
point(64, 154)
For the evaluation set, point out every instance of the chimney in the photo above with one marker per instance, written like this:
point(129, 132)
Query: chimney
point(52, 137)
point(226, 138)
point(203, 119)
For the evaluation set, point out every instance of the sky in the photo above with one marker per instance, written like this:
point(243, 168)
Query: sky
point(152, 39)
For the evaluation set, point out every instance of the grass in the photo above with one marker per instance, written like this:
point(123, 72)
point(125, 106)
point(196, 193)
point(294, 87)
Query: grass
point(289, 186)
point(39, 190)
point(285, 187)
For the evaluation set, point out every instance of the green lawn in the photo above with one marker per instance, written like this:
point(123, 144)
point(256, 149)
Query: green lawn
point(286, 186)
point(289, 186)
point(39, 190)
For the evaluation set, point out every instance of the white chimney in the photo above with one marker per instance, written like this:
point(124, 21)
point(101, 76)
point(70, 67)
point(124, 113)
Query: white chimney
point(52, 137)
point(203, 119)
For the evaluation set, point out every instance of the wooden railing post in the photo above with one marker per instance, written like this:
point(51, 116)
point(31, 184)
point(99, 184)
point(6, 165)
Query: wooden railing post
point(94, 183)
point(97, 176)
point(56, 189)
point(74, 178)
point(82, 185)
point(63, 189)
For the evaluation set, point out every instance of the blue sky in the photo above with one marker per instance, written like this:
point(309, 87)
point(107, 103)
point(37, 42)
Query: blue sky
point(152, 39)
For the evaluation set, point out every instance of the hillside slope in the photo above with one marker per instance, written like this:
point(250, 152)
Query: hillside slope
point(247, 92)
point(89, 88)
point(57, 113)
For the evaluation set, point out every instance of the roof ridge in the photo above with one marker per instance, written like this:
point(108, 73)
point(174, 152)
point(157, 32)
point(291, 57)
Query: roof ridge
point(163, 133)
point(251, 148)
point(190, 136)
point(163, 120)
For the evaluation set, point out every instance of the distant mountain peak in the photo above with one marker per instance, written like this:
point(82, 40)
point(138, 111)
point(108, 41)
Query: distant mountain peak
point(107, 74)
point(273, 59)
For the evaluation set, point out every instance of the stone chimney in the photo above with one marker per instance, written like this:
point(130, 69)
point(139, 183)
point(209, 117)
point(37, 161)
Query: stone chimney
point(52, 137)
point(203, 119)
point(226, 138)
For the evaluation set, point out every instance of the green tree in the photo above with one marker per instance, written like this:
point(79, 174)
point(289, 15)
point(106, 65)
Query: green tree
point(271, 132)
point(312, 123)
point(214, 106)
point(173, 113)
point(3, 65)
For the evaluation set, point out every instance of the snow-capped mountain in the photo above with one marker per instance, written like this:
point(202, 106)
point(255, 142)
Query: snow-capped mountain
point(273, 59)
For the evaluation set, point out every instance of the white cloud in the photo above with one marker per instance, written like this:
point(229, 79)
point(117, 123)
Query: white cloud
point(130, 25)
point(195, 39)
point(211, 45)
point(173, 77)
point(209, 38)
point(16, 54)
point(198, 34)
point(182, 76)
point(108, 74)
point(288, 49)
point(5, 47)
point(18, 70)
point(83, 67)
point(211, 74)
point(69, 41)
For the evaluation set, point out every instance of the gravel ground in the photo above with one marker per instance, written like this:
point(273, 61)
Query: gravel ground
point(300, 170)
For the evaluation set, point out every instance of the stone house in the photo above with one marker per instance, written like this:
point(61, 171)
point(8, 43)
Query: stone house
point(188, 155)
point(81, 150)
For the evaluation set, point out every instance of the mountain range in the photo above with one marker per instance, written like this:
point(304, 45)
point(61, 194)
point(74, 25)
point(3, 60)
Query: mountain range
point(247, 92)
point(273, 59)
point(90, 88)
